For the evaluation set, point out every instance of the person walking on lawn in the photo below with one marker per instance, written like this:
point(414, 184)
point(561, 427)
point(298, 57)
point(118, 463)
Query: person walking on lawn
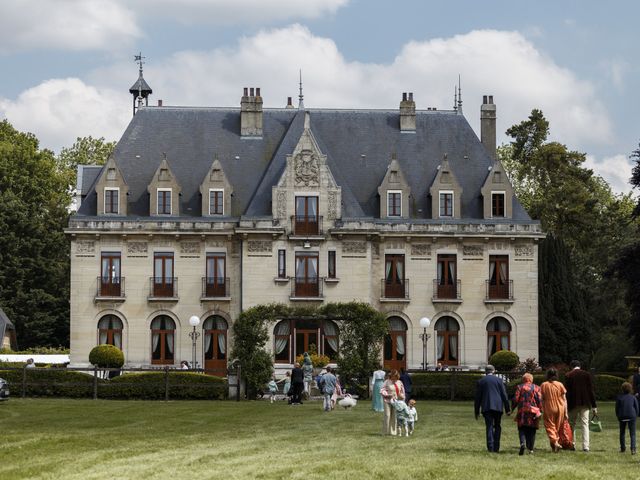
point(581, 399)
point(491, 397)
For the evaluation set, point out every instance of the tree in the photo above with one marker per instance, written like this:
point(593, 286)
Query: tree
point(579, 209)
point(85, 151)
point(34, 253)
point(362, 331)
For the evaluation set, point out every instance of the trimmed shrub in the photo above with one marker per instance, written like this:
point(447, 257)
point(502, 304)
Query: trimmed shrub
point(151, 386)
point(106, 356)
point(504, 360)
point(607, 387)
point(54, 382)
point(317, 360)
point(438, 385)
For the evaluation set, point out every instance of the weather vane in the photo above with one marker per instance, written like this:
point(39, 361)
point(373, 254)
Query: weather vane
point(138, 58)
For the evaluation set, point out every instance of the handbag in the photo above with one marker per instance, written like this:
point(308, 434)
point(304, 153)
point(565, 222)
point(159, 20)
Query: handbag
point(566, 435)
point(595, 425)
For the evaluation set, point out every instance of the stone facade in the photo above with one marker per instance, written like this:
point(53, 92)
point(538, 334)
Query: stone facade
point(475, 278)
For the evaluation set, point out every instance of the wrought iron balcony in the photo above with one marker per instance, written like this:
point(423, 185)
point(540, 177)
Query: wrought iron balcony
point(501, 292)
point(306, 288)
point(163, 288)
point(394, 290)
point(306, 225)
point(447, 292)
point(110, 288)
point(215, 287)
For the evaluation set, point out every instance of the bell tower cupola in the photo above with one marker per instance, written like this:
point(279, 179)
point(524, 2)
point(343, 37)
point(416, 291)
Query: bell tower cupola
point(140, 89)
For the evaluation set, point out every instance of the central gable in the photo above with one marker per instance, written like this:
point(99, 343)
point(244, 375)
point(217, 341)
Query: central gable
point(306, 174)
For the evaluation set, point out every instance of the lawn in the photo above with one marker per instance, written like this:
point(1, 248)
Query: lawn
point(85, 439)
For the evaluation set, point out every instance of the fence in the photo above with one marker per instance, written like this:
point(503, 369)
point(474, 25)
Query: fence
point(117, 383)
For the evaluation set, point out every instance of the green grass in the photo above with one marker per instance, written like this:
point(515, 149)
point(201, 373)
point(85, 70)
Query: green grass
point(85, 439)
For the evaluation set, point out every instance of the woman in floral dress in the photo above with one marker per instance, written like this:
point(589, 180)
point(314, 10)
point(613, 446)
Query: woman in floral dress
point(528, 401)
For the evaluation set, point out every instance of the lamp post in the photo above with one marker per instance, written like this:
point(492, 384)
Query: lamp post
point(424, 323)
point(194, 321)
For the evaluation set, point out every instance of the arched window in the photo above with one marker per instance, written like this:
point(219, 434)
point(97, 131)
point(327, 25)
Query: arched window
point(215, 345)
point(294, 337)
point(162, 340)
point(498, 335)
point(395, 342)
point(447, 329)
point(110, 331)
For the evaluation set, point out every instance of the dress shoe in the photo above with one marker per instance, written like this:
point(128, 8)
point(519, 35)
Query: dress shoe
point(521, 452)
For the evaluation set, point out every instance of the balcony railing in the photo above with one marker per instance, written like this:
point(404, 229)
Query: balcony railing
point(110, 288)
point(306, 287)
point(165, 288)
point(395, 290)
point(502, 291)
point(447, 292)
point(215, 287)
point(306, 225)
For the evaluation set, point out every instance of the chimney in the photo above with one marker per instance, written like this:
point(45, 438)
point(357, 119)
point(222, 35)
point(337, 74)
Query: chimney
point(407, 113)
point(488, 125)
point(289, 103)
point(159, 102)
point(251, 113)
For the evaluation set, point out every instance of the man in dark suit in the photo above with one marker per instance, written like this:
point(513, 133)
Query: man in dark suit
point(580, 400)
point(491, 396)
point(297, 384)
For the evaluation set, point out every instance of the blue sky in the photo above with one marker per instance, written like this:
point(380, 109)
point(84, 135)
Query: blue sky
point(67, 65)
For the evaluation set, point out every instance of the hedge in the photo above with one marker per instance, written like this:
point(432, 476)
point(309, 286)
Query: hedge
point(607, 387)
point(151, 386)
point(437, 386)
point(143, 386)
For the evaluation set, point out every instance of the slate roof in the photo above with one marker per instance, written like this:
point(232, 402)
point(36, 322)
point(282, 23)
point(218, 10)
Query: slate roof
point(358, 145)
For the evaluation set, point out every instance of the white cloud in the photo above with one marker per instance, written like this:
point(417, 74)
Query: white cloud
point(616, 170)
point(236, 11)
point(504, 64)
point(58, 111)
point(65, 24)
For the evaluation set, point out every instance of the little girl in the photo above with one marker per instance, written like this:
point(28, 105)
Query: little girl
point(287, 384)
point(273, 389)
point(413, 416)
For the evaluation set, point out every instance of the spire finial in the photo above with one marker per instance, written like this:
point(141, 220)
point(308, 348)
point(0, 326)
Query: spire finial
point(455, 98)
point(300, 96)
point(139, 60)
point(459, 95)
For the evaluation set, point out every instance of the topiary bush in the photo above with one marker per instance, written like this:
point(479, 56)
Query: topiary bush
point(106, 356)
point(504, 360)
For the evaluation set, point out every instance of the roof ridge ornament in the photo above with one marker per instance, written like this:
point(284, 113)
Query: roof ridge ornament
point(459, 109)
point(300, 96)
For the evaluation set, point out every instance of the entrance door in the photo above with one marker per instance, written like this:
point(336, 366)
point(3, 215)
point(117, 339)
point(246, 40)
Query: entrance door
point(394, 276)
point(215, 345)
point(395, 355)
point(110, 277)
point(304, 339)
point(163, 275)
point(307, 275)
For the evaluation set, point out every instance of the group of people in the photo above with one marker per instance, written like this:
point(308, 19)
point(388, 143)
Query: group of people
point(391, 394)
point(562, 408)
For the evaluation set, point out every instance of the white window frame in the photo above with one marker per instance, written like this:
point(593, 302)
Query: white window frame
point(170, 203)
point(388, 193)
point(223, 202)
point(453, 203)
point(104, 200)
point(504, 202)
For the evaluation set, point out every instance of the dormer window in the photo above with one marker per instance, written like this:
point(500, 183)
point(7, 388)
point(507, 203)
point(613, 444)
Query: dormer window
point(446, 204)
point(111, 201)
point(497, 204)
point(394, 203)
point(164, 201)
point(216, 201)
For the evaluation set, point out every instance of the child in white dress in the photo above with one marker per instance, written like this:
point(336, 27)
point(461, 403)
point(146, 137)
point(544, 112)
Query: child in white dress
point(413, 416)
point(273, 389)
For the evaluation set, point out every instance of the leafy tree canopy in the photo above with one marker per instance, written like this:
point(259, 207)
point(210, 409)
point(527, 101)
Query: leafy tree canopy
point(85, 151)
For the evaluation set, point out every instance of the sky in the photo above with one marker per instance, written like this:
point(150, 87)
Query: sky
point(66, 65)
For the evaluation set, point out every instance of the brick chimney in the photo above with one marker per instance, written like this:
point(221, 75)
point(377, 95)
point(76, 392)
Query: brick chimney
point(407, 113)
point(488, 125)
point(251, 113)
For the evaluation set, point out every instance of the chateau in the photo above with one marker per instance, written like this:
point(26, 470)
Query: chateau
point(209, 211)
